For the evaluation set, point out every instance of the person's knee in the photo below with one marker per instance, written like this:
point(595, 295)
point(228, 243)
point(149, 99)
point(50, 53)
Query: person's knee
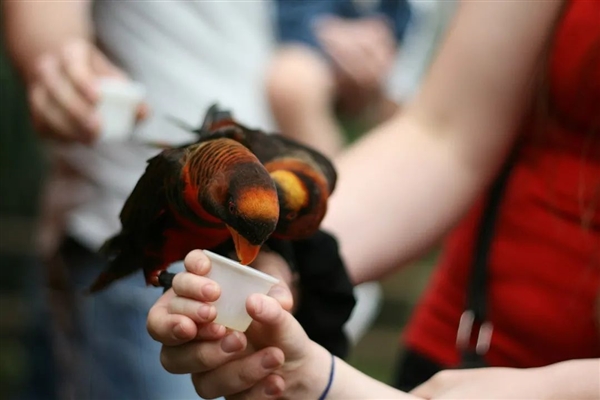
point(299, 75)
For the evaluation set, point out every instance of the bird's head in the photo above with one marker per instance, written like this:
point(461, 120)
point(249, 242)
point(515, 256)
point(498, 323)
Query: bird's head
point(242, 194)
point(303, 195)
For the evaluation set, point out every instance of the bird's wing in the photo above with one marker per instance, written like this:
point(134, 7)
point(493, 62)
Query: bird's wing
point(149, 199)
point(219, 123)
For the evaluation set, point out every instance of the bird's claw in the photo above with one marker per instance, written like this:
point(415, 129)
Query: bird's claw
point(165, 280)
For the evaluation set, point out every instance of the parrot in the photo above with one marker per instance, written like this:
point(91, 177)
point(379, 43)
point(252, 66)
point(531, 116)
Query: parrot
point(192, 196)
point(304, 178)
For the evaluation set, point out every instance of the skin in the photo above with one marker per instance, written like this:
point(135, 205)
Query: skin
point(302, 86)
point(447, 144)
point(275, 358)
point(438, 136)
point(51, 44)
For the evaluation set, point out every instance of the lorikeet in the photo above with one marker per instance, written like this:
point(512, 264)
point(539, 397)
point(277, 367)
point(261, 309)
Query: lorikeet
point(195, 196)
point(304, 177)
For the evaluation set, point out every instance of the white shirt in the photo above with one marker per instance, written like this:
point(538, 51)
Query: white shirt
point(188, 54)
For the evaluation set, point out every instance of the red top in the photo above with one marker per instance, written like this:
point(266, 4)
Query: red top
point(544, 296)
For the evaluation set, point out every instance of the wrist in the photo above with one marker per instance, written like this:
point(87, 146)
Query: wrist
point(313, 376)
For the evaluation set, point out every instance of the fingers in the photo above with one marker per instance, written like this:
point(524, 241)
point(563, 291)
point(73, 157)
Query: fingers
point(275, 265)
point(192, 286)
point(275, 325)
point(198, 312)
point(271, 387)
point(63, 92)
point(169, 329)
point(77, 65)
point(238, 375)
point(75, 109)
point(58, 105)
point(194, 357)
point(362, 49)
point(197, 262)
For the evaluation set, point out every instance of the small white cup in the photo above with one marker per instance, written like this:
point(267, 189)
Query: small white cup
point(237, 283)
point(117, 106)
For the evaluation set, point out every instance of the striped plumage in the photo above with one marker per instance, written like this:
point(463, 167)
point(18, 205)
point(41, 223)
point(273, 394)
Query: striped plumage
point(304, 178)
point(196, 196)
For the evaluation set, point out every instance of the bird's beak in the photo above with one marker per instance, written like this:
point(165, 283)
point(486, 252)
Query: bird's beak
point(246, 252)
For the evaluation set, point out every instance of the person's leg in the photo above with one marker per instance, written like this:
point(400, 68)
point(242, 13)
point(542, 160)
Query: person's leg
point(301, 89)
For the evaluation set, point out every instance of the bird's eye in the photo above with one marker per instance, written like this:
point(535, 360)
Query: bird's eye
point(231, 207)
point(291, 215)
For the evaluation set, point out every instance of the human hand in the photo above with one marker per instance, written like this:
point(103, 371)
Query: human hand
point(62, 92)
point(487, 383)
point(362, 49)
point(280, 361)
point(184, 314)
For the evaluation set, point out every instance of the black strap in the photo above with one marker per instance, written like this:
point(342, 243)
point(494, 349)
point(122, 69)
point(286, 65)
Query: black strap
point(476, 309)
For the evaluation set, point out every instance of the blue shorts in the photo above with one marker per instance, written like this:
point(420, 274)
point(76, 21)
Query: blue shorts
point(295, 18)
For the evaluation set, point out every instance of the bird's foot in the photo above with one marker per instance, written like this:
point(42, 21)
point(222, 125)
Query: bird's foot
point(165, 280)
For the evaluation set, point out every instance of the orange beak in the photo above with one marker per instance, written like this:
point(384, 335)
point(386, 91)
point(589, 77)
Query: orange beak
point(246, 252)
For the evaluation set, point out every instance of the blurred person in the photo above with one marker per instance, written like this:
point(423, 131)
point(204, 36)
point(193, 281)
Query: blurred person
point(27, 360)
point(500, 151)
point(188, 55)
point(333, 56)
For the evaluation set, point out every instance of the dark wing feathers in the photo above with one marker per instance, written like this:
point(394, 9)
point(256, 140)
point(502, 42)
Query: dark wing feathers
point(148, 199)
point(267, 147)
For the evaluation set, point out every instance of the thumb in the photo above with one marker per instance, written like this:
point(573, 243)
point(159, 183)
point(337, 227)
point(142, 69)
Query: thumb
point(273, 326)
point(275, 265)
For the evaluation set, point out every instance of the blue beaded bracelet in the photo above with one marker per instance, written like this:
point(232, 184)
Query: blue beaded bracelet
point(328, 387)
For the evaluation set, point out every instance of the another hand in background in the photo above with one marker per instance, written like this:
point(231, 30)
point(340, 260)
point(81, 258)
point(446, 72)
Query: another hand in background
point(363, 50)
point(63, 92)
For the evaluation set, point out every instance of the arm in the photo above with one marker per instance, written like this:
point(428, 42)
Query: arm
point(51, 44)
point(573, 379)
point(409, 181)
point(36, 28)
point(275, 358)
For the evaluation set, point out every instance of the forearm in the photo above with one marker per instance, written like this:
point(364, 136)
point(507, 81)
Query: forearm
point(33, 28)
point(573, 379)
point(400, 189)
point(348, 382)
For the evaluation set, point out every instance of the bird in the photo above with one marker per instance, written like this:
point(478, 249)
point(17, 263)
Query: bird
point(198, 195)
point(304, 178)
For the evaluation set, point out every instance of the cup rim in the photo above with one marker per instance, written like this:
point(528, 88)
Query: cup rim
point(241, 268)
point(121, 87)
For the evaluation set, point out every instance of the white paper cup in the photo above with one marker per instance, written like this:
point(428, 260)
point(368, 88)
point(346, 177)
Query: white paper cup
point(237, 283)
point(117, 106)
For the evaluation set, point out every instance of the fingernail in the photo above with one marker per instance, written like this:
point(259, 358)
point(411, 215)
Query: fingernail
point(215, 329)
point(209, 290)
point(206, 312)
point(202, 266)
point(231, 343)
point(269, 361)
point(272, 390)
point(179, 332)
point(257, 305)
